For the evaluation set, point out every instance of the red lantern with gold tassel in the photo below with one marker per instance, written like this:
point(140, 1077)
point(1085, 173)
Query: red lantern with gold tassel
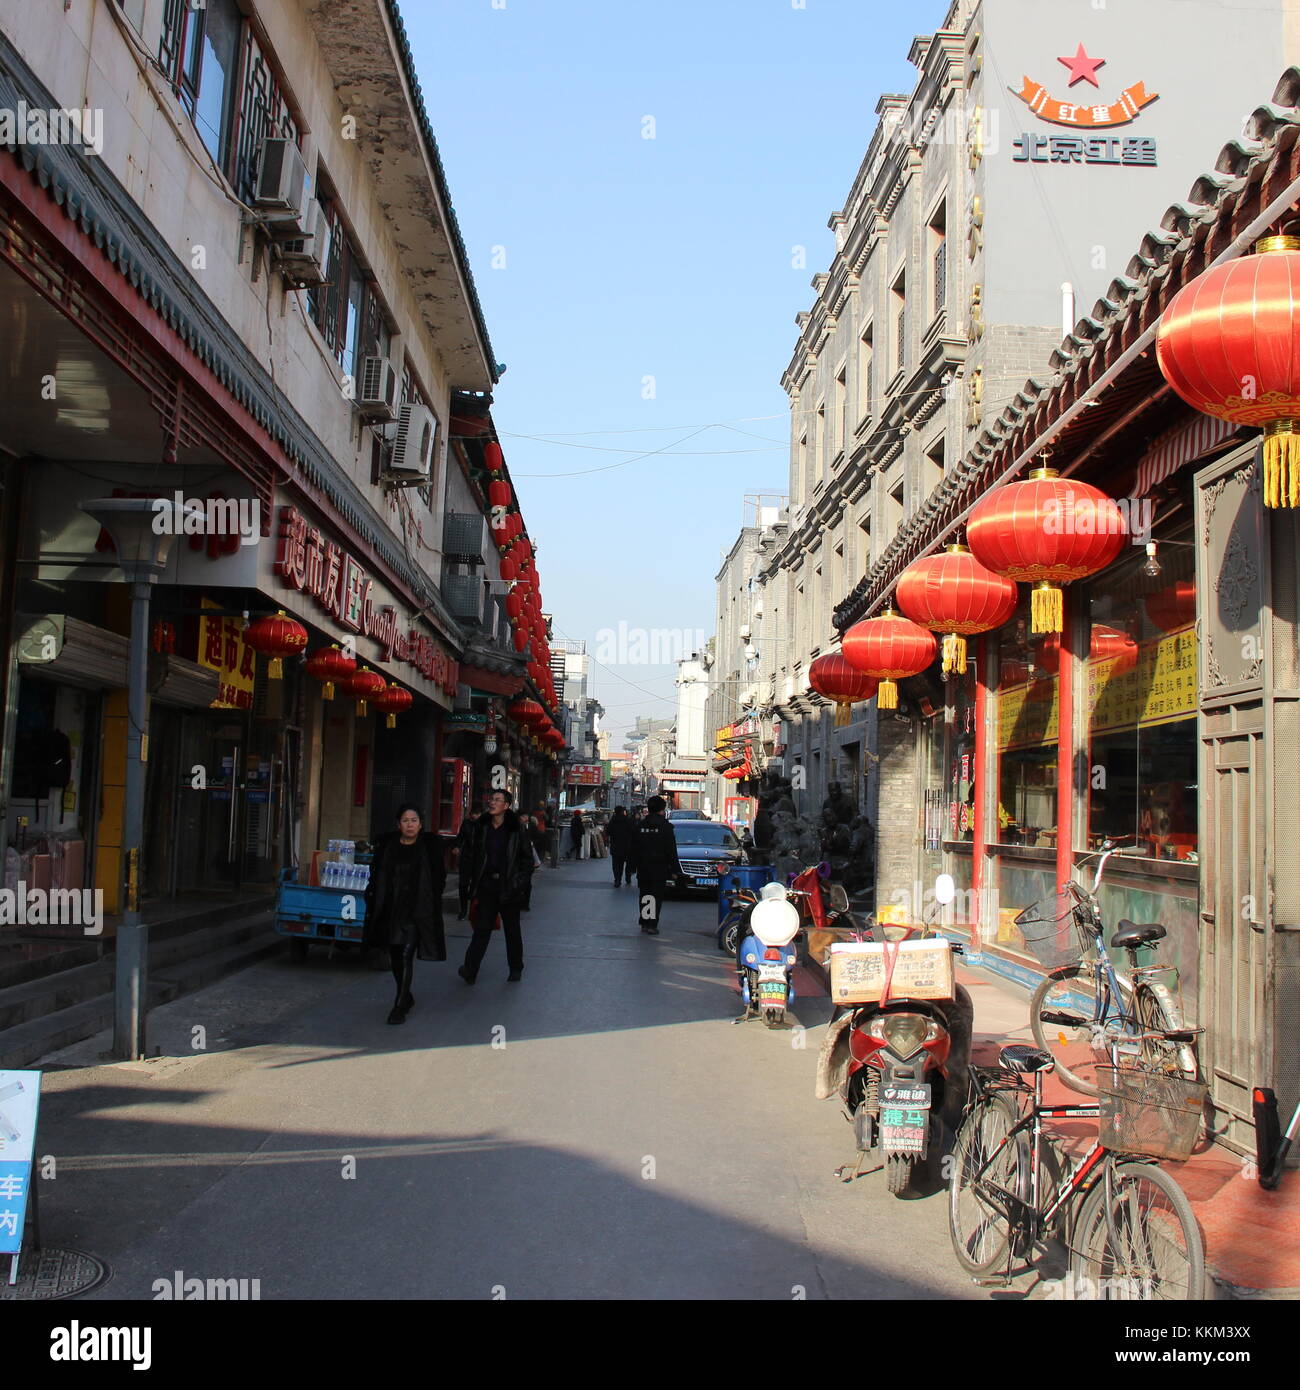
point(392, 701)
point(1229, 345)
point(276, 637)
point(832, 677)
point(1046, 531)
point(328, 665)
point(363, 685)
point(526, 712)
point(889, 648)
point(955, 595)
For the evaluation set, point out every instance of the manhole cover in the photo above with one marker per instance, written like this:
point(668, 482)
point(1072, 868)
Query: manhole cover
point(51, 1274)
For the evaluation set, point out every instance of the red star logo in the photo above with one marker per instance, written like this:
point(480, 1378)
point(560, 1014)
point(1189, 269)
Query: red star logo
point(1082, 68)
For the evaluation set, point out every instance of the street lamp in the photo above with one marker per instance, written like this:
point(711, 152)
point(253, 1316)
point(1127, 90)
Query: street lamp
point(142, 556)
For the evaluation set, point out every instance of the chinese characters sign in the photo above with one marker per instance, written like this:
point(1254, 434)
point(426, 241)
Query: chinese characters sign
point(309, 562)
point(222, 649)
point(583, 775)
point(1124, 109)
point(20, 1094)
point(1076, 149)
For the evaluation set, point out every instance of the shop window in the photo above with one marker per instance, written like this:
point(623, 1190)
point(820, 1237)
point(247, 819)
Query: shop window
point(1028, 709)
point(1142, 703)
point(959, 809)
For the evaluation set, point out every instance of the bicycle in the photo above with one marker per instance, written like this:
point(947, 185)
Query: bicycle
point(1083, 994)
point(1127, 1224)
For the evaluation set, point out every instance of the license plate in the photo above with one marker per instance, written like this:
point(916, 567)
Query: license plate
point(707, 882)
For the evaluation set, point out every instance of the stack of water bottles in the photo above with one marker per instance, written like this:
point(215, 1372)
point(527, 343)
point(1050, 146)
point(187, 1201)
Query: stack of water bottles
point(341, 871)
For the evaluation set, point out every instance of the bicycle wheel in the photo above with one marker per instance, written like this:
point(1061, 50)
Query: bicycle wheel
point(1072, 990)
point(980, 1219)
point(1154, 1252)
point(1155, 1054)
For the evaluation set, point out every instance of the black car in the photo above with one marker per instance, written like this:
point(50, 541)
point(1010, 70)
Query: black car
point(701, 844)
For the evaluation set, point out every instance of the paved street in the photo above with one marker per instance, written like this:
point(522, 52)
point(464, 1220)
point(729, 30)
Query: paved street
point(621, 1140)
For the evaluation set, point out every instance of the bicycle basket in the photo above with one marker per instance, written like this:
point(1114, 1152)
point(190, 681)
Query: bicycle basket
point(1052, 931)
point(1145, 1112)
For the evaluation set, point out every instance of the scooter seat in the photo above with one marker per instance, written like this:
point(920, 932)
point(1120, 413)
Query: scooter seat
point(1020, 1057)
point(1130, 935)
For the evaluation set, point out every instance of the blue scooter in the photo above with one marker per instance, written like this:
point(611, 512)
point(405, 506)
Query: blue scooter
point(767, 957)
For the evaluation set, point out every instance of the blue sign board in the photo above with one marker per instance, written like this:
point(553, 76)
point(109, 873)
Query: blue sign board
point(20, 1095)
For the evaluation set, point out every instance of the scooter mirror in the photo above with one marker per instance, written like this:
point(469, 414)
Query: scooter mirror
point(945, 890)
point(774, 922)
point(839, 898)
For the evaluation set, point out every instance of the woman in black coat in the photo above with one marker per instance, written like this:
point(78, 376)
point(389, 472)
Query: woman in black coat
point(404, 902)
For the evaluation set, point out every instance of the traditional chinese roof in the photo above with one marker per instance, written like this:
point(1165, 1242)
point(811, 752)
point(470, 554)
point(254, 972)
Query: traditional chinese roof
point(1104, 373)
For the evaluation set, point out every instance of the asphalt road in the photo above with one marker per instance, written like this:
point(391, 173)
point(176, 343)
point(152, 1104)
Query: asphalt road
point(597, 1131)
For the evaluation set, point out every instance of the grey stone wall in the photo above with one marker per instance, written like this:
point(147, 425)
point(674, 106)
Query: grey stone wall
point(897, 829)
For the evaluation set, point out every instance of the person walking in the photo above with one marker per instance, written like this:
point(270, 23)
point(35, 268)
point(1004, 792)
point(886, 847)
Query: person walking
point(655, 857)
point(500, 862)
point(577, 829)
point(404, 902)
point(621, 831)
point(534, 848)
point(463, 836)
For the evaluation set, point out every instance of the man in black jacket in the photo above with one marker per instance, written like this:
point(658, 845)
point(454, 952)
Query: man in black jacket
point(497, 867)
point(654, 855)
point(621, 831)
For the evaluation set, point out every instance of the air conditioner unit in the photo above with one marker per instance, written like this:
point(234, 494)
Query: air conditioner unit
point(463, 594)
point(377, 389)
point(281, 186)
point(417, 436)
point(462, 537)
point(304, 257)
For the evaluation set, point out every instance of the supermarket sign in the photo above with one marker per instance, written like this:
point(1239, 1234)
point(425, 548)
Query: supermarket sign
point(584, 775)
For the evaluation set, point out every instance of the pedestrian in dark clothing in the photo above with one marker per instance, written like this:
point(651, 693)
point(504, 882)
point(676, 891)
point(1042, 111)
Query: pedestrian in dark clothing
point(654, 852)
point(620, 832)
point(463, 836)
point(404, 902)
point(500, 865)
point(577, 829)
point(534, 846)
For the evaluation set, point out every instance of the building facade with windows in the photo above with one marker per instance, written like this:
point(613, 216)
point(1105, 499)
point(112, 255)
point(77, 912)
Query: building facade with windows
point(243, 283)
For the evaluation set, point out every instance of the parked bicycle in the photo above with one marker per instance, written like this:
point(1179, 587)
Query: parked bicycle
point(1129, 1227)
point(1084, 998)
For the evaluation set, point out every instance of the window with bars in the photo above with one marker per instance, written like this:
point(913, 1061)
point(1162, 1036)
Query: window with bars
point(899, 296)
point(346, 309)
point(940, 276)
point(866, 405)
point(262, 112)
point(199, 53)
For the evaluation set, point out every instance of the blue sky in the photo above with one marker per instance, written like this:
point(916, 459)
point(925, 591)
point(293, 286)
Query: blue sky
point(627, 258)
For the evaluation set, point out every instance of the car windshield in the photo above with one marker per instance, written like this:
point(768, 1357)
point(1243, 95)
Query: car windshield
point(702, 832)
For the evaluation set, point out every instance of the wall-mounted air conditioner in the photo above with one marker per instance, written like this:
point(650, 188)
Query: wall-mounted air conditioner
point(377, 389)
point(280, 190)
point(463, 594)
point(305, 255)
point(417, 436)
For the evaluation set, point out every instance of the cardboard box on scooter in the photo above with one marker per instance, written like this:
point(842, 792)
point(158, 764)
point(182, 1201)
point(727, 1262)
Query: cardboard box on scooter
point(921, 970)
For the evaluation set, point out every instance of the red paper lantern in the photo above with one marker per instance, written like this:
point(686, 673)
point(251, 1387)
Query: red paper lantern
point(1046, 531)
point(833, 677)
point(499, 493)
point(521, 640)
point(1173, 607)
point(1105, 644)
point(509, 569)
point(363, 685)
point(330, 664)
point(276, 637)
point(493, 457)
point(392, 701)
point(889, 648)
point(1229, 345)
point(514, 605)
point(526, 712)
point(954, 594)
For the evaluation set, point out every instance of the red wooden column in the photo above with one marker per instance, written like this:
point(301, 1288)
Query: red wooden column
point(979, 842)
point(1065, 742)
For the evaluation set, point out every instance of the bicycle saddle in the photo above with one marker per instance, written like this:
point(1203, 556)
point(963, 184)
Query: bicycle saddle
point(1020, 1057)
point(1130, 935)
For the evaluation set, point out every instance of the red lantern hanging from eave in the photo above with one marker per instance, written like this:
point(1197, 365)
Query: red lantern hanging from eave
point(526, 712)
point(392, 701)
point(889, 648)
point(521, 640)
point(363, 685)
point(499, 493)
point(508, 569)
point(493, 457)
point(1238, 327)
point(1173, 607)
point(329, 665)
point(1046, 531)
point(277, 637)
point(832, 677)
point(514, 605)
point(955, 595)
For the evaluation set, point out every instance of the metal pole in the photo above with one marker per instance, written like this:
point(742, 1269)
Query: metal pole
point(132, 954)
